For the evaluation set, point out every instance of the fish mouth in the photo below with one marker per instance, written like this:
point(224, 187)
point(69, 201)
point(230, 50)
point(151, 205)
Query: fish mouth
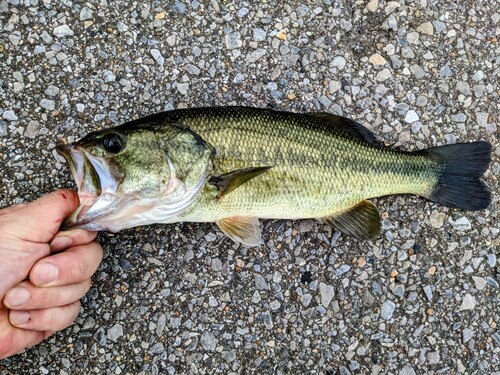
point(96, 184)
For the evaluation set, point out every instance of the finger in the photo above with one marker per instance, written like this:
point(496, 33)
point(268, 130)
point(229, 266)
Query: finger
point(39, 221)
point(12, 339)
point(53, 319)
point(69, 267)
point(65, 239)
point(27, 296)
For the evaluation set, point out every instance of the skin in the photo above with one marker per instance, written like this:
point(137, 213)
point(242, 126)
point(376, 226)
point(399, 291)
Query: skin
point(44, 271)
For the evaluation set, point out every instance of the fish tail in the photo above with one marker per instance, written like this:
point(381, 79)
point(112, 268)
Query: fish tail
point(460, 167)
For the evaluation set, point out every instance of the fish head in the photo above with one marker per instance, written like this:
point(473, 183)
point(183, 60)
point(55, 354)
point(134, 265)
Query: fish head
point(128, 177)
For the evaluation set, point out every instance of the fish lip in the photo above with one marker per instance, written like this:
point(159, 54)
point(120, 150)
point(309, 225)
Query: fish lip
point(80, 167)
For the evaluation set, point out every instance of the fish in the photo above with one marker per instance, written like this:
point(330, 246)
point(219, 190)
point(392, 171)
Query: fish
point(237, 165)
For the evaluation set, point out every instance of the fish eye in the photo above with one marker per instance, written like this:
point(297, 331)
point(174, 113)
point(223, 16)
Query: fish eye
point(113, 143)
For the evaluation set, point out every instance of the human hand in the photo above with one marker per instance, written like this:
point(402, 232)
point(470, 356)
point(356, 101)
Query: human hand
point(40, 284)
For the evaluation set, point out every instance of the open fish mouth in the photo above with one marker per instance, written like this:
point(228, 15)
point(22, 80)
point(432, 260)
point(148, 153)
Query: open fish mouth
point(96, 184)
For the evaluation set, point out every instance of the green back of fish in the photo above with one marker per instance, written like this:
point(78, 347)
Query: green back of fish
point(321, 165)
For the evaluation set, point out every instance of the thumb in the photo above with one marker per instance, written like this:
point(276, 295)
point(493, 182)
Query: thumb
point(39, 221)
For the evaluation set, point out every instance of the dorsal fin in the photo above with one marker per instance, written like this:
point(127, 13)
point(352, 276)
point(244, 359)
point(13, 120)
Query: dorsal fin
point(230, 181)
point(361, 221)
point(349, 127)
point(241, 229)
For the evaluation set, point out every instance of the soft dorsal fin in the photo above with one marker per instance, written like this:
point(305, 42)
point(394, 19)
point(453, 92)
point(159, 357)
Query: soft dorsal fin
point(361, 221)
point(349, 127)
point(241, 229)
point(230, 181)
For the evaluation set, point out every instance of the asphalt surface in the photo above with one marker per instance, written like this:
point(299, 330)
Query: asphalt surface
point(182, 299)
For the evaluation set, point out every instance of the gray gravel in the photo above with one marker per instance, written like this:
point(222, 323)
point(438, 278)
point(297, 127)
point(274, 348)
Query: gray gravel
point(178, 299)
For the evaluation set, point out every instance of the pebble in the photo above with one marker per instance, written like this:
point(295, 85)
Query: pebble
point(387, 309)
point(85, 14)
point(467, 334)
point(208, 341)
point(468, 303)
point(256, 55)
point(428, 292)
point(48, 104)
point(426, 28)
point(411, 116)
point(377, 59)
point(327, 292)
point(372, 5)
point(259, 35)
point(233, 40)
point(260, 282)
point(383, 75)
point(63, 31)
point(437, 219)
point(9, 116)
point(461, 224)
point(156, 54)
point(115, 332)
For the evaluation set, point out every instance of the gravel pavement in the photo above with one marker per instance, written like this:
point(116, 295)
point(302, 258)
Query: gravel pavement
point(183, 299)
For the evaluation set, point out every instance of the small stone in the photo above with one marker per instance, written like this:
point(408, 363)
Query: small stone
point(387, 309)
point(377, 59)
point(179, 7)
point(208, 341)
point(459, 117)
point(85, 14)
point(372, 5)
point(461, 224)
point(255, 55)
point(3, 128)
point(383, 75)
point(233, 40)
point(491, 281)
point(32, 129)
point(63, 31)
point(47, 104)
point(183, 88)
point(417, 71)
point(156, 54)
point(339, 62)
point(431, 270)
point(334, 86)
point(407, 370)
point(229, 356)
point(122, 27)
point(281, 35)
point(437, 219)
point(327, 293)
point(51, 90)
point(492, 260)
point(411, 116)
point(468, 303)
point(80, 107)
point(115, 332)
point(467, 334)
point(479, 282)
point(426, 28)
point(9, 116)
point(259, 34)
point(433, 357)
point(243, 12)
point(260, 282)
point(464, 88)
point(391, 6)
point(428, 292)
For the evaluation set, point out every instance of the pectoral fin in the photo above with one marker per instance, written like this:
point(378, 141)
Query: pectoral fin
point(230, 181)
point(241, 229)
point(361, 221)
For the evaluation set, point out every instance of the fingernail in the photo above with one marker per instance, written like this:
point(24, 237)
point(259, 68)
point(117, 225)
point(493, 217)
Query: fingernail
point(17, 296)
point(61, 243)
point(18, 318)
point(45, 273)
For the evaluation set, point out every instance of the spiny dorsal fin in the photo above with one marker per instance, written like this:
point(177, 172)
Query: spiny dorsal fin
point(361, 221)
point(349, 127)
point(241, 229)
point(230, 181)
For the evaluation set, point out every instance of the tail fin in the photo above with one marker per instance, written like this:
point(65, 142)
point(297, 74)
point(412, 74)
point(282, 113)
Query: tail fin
point(462, 166)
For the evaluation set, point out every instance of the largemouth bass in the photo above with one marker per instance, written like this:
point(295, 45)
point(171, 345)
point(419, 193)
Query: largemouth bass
point(236, 165)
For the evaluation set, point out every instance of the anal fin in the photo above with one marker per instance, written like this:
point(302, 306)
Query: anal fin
point(361, 221)
point(241, 229)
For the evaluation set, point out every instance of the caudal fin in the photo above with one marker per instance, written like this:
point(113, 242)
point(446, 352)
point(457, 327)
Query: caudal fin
point(462, 166)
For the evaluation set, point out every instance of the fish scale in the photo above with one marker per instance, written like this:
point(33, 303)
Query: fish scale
point(316, 170)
